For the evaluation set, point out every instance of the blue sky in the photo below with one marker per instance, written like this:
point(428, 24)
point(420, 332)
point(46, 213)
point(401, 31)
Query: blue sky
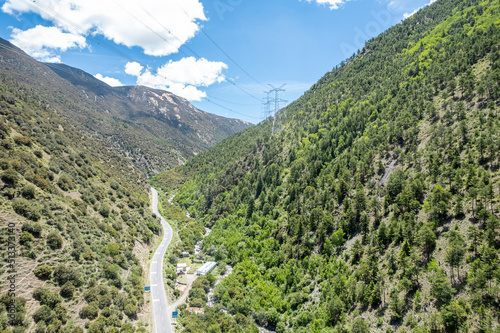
point(220, 54)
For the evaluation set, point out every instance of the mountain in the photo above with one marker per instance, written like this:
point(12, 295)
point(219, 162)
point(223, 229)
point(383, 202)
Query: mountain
point(154, 129)
point(376, 208)
point(76, 221)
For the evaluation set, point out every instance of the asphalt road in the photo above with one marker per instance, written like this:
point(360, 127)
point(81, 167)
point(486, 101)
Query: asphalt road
point(159, 299)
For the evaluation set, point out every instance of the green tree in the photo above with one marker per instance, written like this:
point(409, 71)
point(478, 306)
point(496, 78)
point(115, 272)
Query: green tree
point(454, 314)
point(426, 239)
point(440, 285)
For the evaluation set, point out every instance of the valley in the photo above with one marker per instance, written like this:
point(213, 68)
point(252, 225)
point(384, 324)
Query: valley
point(374, 208)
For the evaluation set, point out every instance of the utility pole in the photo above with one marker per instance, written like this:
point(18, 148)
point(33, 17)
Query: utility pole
point(277, 112)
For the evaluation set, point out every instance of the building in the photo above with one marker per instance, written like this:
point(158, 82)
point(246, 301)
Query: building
point(181, 268)
point(206, 268)
point(195, 310)
point(185, 254)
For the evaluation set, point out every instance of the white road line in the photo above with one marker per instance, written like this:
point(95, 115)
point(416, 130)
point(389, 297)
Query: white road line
point(156, 300)
point(154, 285)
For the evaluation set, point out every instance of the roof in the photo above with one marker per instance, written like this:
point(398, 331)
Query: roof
point(209, 265)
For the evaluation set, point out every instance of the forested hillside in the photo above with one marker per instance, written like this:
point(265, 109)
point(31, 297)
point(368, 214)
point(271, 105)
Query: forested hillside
point(76, 224)
point(377, 206)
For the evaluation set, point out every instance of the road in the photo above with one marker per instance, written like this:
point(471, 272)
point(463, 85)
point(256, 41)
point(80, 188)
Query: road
point(160, 307)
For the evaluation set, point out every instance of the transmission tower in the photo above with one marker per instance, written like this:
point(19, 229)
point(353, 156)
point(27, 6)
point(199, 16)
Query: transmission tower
point(277, 112)
point(267, 105)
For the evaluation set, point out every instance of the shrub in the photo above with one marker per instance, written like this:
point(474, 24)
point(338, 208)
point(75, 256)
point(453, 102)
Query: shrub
point(61, 312)
point(54, 240)
point(10, 177)
point(130, 310)
point(44, 313)
point(63, 274)
point(27, 209)
point(91, 295)
point(65, 183)
point(28, 192)
point(67, 290)
point(26, 237)
point(104, 210)
point(22, 140)
point(359, 326)
point(105, 301)
point(43, 272)
point(33, 228)
point(46, 297)
point(89, 312)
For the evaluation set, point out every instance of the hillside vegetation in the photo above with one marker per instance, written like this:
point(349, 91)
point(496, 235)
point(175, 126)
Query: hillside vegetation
point(82, 225)
point(377, 207)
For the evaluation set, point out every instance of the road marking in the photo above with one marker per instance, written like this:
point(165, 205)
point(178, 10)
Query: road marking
point(156, 300)
point(154, 285)
point(153, 272)
point(154, 262)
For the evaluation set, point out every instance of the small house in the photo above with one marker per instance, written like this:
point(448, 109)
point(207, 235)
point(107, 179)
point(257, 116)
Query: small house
point(181, 268)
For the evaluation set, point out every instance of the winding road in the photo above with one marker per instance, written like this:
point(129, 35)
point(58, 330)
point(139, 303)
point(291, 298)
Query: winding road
point(160, 307)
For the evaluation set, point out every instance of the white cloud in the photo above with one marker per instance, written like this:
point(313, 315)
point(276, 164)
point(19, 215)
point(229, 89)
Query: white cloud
point(182, 77)
point(406, 15)
point(43, 43)
point(109, 80)
point(133, 68)
point(159, 27)
point(334, 4)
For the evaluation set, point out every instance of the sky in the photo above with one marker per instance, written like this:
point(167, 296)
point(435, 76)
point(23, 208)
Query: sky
point(221, 55)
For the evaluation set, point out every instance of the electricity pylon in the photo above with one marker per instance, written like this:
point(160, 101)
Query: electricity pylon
point(277, 122)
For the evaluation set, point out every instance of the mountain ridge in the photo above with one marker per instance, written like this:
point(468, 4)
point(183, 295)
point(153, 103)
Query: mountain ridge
point(155, 129)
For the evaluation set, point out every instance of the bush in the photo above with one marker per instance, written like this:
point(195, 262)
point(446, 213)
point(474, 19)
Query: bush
point(33, 228)
point(61, 312)
point(91, 295)
point(46, 297)
point(89, 312)
point(359, 326)
point(27, 209)
point(54, 240)
point(10, 177)
point(26, 237)
point(104, 210)
point(65, 183)
point(22, 140)
point(43, 272)
point(67, 290)
point(44, 313)
point(130, 310)
point(28, 192)
point(63, 274)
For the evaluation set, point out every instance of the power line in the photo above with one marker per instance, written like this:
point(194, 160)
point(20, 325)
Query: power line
point(222, 50)
point(233, 103)
point(231, 110)
point(230, 58)
point(187, 15)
